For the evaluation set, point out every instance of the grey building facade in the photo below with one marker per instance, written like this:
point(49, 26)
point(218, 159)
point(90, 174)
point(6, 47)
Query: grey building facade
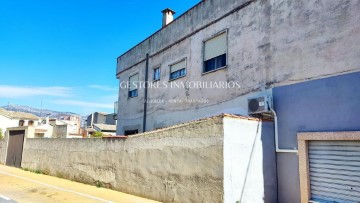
point(304, 54)
point(100, 118)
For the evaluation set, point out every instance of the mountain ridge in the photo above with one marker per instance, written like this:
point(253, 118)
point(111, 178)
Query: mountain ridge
point(36, 111)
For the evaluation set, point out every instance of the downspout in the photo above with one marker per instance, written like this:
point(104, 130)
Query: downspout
point(91, 124)
point(146, 93)
point(278, 150)
point(92, 120)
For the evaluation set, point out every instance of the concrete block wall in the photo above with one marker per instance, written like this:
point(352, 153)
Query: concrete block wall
point(200, 161)
point(2, 151)
point(179, 164)
point(3, 147)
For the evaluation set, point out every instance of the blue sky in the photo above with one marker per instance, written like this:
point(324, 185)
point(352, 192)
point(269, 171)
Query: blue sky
point(63, 53)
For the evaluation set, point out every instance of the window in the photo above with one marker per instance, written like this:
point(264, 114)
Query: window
point(215, 51)
point(31, 123)
point(178, 70)
point(131, 132)
point(133, 89)
point(21, 122)
point(156, 75)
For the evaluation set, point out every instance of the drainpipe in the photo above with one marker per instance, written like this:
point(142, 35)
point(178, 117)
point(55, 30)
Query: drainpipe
point(146, 92)
point(278, 150)
point(92, 120)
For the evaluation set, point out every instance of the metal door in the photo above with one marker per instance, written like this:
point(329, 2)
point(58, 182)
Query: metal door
point(335, 171)
point(15, 148)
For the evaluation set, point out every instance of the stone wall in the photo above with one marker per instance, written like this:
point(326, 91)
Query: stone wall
point(178, 164)
point(224, 158)
point(2, 151)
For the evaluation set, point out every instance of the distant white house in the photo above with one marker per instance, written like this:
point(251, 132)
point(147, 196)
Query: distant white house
point(73, 122)
point(14, 119)
point(44, 129)
point(65, 129)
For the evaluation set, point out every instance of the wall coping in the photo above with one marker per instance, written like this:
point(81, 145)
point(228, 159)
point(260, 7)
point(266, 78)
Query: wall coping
point(198, 121)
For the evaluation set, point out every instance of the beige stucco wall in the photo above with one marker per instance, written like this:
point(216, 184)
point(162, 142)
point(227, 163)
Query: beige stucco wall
point(180, 164)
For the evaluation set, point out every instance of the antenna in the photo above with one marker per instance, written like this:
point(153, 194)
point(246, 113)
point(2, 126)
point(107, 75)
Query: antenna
point(41, 109)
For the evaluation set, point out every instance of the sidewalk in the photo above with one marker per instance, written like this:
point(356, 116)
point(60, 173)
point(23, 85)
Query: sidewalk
point(24, 186)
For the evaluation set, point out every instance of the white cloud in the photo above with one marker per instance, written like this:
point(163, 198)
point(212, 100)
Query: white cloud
point(28, 91)
point(103, 87)
point(84, 104)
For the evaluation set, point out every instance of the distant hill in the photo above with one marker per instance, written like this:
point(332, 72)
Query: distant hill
point(40, 112)
point(35, 111)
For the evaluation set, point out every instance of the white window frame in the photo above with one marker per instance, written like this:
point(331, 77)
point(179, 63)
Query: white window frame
point(227, 51)
point(129, 88)
point(175, 63)
point(155, 79)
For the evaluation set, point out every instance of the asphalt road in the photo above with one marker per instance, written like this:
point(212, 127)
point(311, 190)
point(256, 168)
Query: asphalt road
point(17, 185)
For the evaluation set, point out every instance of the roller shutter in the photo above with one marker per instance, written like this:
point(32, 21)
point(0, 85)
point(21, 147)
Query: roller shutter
point(216, 46)
point(178, 66)
point(334, 168)
point(133, 80)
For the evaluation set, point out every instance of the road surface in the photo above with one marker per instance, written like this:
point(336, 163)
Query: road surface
point(17, 185)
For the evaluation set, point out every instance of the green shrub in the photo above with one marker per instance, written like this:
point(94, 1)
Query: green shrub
point(98, 184)
point(97, 134)
point(38, 171)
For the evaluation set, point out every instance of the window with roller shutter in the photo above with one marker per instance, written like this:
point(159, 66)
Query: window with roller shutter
point(215, 53)
point(133, 85)
point(178, 69)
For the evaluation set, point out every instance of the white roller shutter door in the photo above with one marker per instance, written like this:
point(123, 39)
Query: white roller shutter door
point(334, 168)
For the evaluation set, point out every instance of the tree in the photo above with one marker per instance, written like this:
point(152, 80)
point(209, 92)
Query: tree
point(97, 134)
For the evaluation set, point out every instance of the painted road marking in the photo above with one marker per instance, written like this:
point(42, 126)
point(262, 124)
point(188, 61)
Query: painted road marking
point(58, 188)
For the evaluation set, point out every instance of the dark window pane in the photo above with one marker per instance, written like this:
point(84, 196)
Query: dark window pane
point(215, 63)
point(156, 74)
point(178, 73)
point(133, 93)
point(131, 132)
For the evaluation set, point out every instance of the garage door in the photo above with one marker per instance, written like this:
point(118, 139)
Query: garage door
point(334, 171)
point(15, 148)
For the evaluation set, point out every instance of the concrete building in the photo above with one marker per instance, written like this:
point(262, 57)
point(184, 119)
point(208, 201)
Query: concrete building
point(101, 122)
point(65, 129)
point(73, 122)
point(302, 55)
point(100, 118)
point(107, 130)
